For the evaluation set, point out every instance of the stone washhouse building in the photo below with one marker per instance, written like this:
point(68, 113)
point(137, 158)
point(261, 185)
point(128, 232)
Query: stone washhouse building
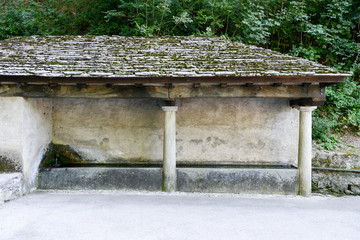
point(194, 114)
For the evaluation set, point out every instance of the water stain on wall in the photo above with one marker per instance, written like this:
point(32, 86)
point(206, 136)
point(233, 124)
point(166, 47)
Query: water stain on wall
point(7, 165)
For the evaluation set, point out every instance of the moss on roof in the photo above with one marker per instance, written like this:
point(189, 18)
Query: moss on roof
point(116, 56)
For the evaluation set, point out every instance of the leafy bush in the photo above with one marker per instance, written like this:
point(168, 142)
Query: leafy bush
point(322, 128)
point(341, 112)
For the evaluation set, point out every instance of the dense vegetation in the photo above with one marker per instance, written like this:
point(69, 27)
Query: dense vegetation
point(326, 31)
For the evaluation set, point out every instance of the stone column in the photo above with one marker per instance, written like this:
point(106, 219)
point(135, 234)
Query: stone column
point(169, 154)
point(305, 145)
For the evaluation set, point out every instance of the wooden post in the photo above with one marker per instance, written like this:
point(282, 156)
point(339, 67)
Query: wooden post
point(169, 154)
point(305, 145)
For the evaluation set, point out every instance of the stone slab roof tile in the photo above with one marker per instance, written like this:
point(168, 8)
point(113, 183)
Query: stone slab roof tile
point(114, 56)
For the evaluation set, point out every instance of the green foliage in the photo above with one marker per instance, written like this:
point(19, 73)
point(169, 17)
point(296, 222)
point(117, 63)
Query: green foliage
point(322, 132)
point(326, 31)
point(341, 112)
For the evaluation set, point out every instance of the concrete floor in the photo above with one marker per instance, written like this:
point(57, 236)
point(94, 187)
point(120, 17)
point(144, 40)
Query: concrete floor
point(134, 215)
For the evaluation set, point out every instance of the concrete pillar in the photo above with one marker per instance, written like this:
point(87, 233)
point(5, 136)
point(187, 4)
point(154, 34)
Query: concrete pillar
point(305, 145)
point(169, 154)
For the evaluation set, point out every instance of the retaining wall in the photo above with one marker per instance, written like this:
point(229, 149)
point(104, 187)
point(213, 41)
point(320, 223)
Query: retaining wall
point(337, 173)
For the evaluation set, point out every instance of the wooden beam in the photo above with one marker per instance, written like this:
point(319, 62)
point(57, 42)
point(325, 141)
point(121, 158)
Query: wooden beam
point(81, 85)
point(73, 91)
point(305, 102)
point(54, 86)
point(247, 92)
point(170, 92)
point(296, 80)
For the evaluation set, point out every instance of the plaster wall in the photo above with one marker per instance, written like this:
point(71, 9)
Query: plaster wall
point(238, 130)
point(37, 133)
point(212, 130)
point(25, 132)
point(109, 130)
point(11, 119)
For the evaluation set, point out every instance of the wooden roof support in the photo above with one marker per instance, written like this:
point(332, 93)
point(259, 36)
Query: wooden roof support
point(139, 85)
point(292, 92)
point(316, 101)
point(236, 80)
point(21, 84)
point(303, 95)
point(81, 85)
point(197, 85)
point(54, 86)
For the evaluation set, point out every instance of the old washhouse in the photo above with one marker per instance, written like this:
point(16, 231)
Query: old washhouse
point(166, 113)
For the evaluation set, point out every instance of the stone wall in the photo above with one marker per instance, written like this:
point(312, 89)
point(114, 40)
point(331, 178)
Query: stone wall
point(335, 172)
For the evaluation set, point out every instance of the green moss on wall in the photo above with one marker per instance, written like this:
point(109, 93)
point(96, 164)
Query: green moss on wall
point(59, 155)
point(7, 165)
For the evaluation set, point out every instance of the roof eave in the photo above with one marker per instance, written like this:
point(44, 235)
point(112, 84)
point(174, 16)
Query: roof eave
point(323, 79)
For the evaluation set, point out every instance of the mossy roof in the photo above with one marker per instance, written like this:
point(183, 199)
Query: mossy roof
point(144, 57)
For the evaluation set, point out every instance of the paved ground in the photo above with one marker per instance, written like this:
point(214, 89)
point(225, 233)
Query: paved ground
point(132, 215)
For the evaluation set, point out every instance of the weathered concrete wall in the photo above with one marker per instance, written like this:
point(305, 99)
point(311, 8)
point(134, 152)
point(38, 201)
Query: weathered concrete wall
point(37, 134)
point(237, 130)
point(254, 131)
point(108, 130)
point(224, 180)
point(25, 132)
point(11, 119)
point(10, 186)
point(212, 130)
